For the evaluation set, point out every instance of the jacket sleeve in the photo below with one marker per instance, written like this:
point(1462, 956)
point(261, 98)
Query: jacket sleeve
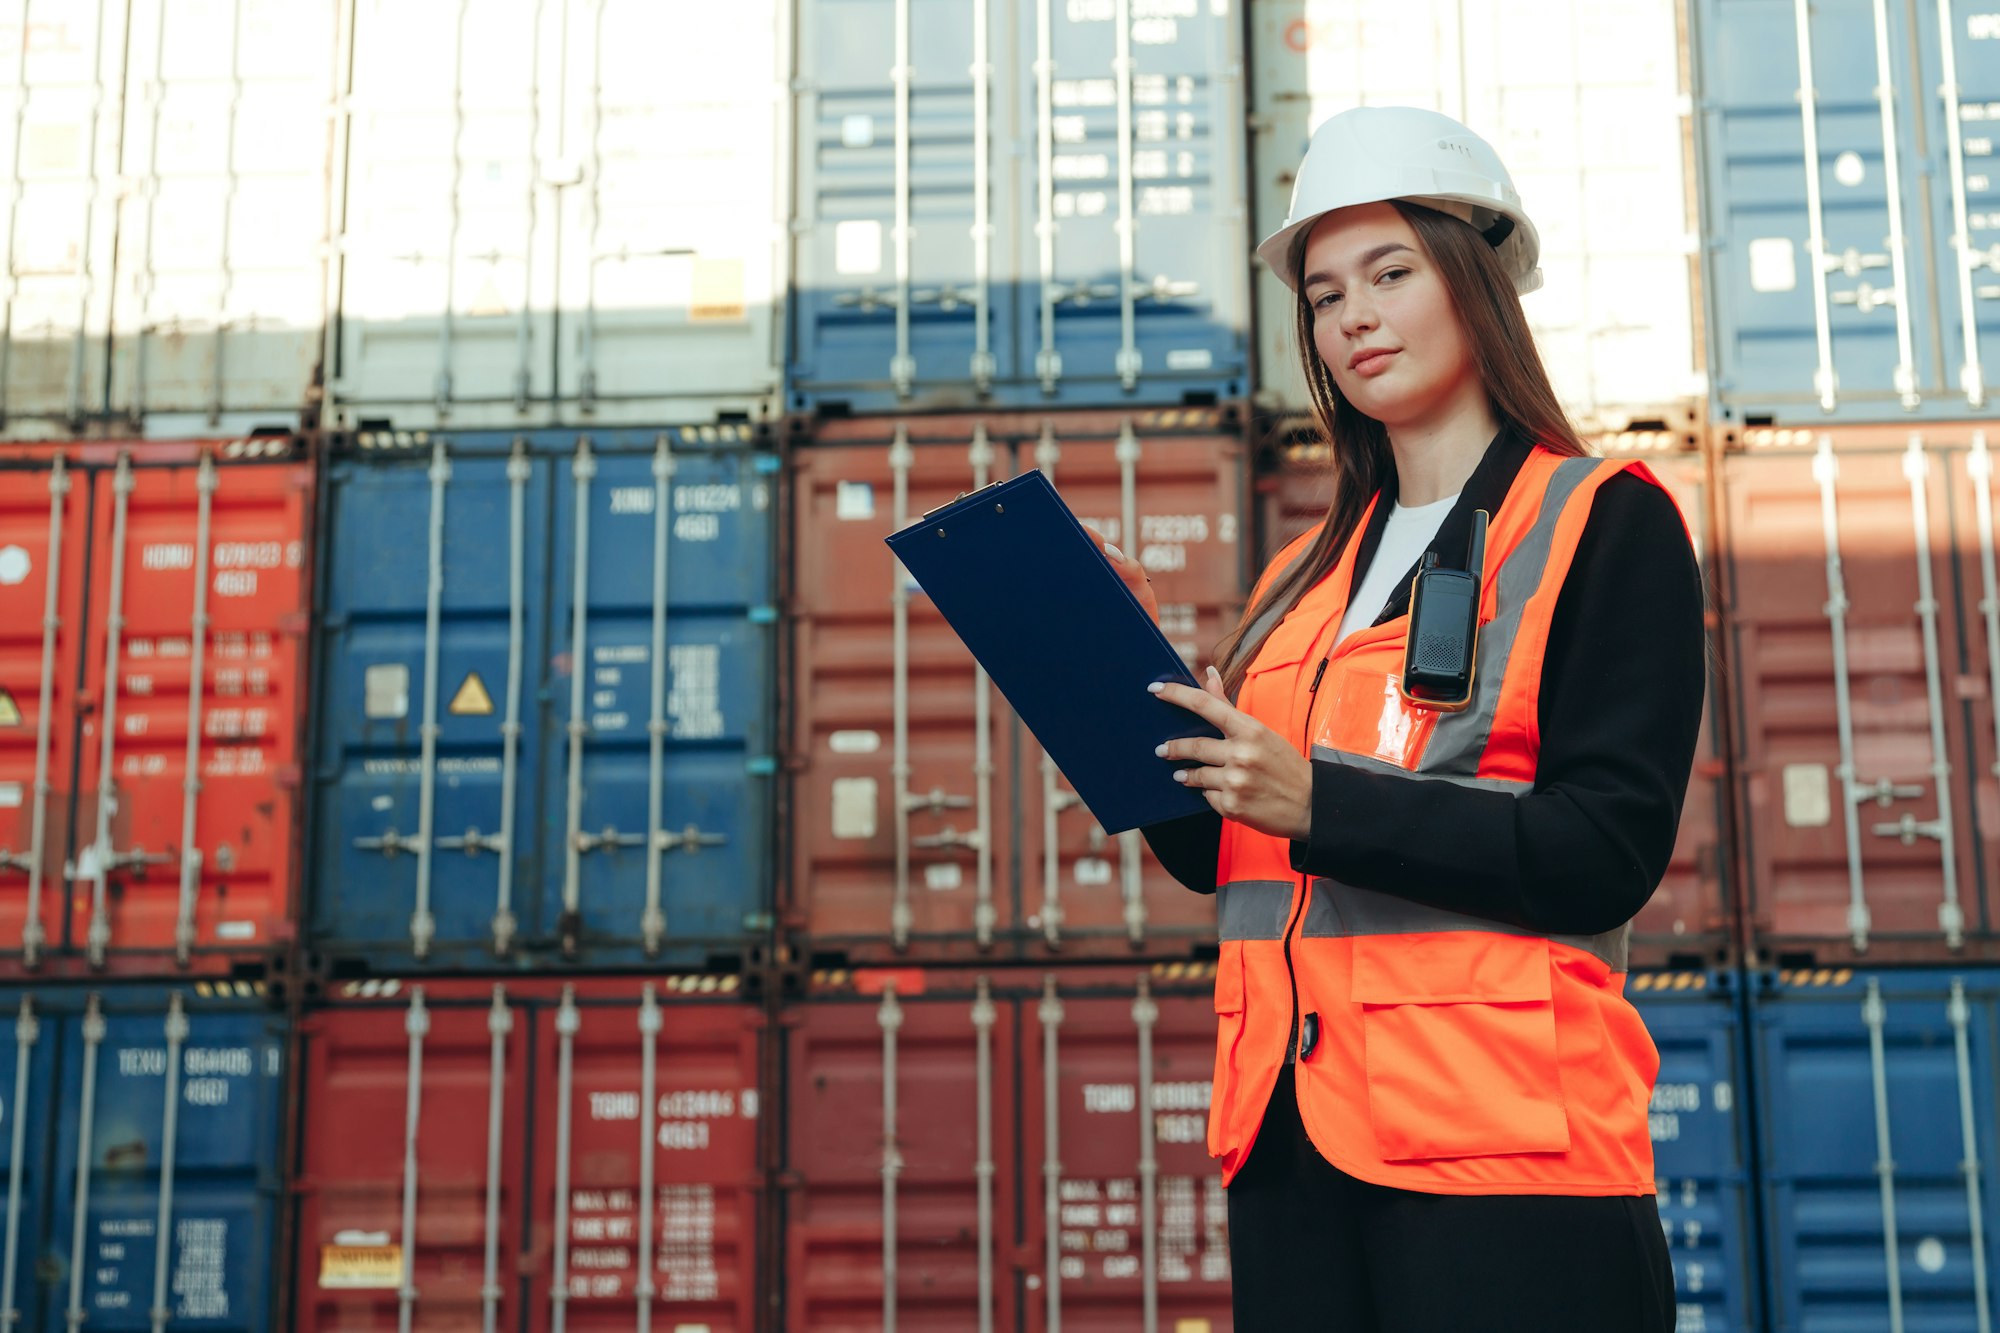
point(1189, 847)
point(1620, 711)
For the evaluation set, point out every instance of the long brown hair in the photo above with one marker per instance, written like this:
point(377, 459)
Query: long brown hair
point(1509, 364)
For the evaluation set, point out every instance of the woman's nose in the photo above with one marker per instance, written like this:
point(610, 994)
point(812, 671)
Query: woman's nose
point(1356, 317)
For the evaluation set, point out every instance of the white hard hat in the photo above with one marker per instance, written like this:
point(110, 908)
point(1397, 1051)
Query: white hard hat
point(1375, 153)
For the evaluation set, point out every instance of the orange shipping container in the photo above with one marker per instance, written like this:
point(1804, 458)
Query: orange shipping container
point(153, 607)
point(926, 823)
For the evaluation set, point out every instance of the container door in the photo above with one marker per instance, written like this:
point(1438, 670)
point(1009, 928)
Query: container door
point(902, 292)
point(903, 1166)
point(887, 862)
point(1856, 836)
point(1959, 94)
point(166, 1140)
point(645, 1166)
point(672, 226)
point(28, 1046)
point(1134, 242)
point(44, 534)
point(1876, 1097)
point(431, 619)
point(454, 164)
point(197, 612)
point(1824, 279)
point(1127, 1218)
point(61, 66)
point(1173, 504)
point(1699, 1143)
point(411, 1149)
point(661, 657)
point(220, 305)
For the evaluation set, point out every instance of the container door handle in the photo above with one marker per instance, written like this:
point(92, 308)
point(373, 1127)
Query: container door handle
point(1971, 375)
point(649, 1033)
point(191, 858)
point(983, 366)
point(890, 1018)
point(518, 473)
point(903, 365)
point(423, 925)
point(86, 1118)
point(1825, 382)
point(1131, 843)
point(33, 934)
point(441, 385)
point(499, 1025)
point(1892, 179)
point(177, 1032)
point(653, 920)
point(26, 1031)
point(1951, 915)
point(1874, 1015)
point(1145, 1014)
point(1051, 1013)
point(568, 1020)
point(101, 858)
point(416, 1023)
point(582, 469)
point(1825, 470)
point(1129, 359)
point(983, 1013)
point(1048, 361)
point(1961, 1015)
point(984, 915)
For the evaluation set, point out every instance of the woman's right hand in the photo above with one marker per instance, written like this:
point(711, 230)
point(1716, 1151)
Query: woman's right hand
point(1131, 571)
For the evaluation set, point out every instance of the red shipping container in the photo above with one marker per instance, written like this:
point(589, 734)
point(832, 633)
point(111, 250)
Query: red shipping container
point(1863, 614)
point(1008, 1150)
point(469, 1143)
point(165, 632)
point(920, 827)
point(1689, 919)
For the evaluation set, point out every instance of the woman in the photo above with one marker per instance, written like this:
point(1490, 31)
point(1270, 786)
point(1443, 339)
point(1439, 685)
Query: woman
point(1430, 1093)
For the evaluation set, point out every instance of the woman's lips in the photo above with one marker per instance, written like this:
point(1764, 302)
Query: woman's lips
point(1373, 363)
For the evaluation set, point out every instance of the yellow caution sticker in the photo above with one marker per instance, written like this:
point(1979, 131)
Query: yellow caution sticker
point(10, 712)
point(472, 700)
point(361, 1267)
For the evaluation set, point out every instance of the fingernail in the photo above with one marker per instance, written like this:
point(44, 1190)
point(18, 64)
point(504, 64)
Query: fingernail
point(1113, 551)
point(1180, 775)
point(1160, 750)
point(1155, 687)
point(1213, 672)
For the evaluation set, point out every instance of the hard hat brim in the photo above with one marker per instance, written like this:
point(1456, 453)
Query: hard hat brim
point(1520, 253)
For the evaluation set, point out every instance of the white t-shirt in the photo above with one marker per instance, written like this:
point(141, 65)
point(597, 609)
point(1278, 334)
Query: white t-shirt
point(1405, 538)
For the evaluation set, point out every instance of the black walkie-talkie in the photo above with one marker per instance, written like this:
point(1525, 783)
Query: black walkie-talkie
point(1442, 650)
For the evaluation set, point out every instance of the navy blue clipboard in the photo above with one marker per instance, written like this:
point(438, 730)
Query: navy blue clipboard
point(1042, 609)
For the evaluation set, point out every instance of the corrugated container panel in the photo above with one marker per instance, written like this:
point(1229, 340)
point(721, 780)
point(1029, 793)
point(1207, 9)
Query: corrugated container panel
point(540, 1153)
point(604, 815)
point(150, 807)
point(1699, 1122)
point(991, 842)
point(219, 309)
point(147, 1125)
point(1059, 1089)
point(1878, 1142)
point(60, 67)
point(1852, 227)
point(1840, 545)
point(562, 214)
point(165, 266)
point(990, 212)
point(1584, 102)
point(1690, 917)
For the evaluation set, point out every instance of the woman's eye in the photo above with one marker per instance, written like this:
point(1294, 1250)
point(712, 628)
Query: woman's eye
point(1395, 273)
point(1326, 300)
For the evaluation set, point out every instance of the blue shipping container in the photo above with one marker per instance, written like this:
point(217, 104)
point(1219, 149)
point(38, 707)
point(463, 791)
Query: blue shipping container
point(143, 1128)
point(544, 699)
point(1700, 1147)
point(1879, 1147)
point(1851, 241)
point(1019, 205)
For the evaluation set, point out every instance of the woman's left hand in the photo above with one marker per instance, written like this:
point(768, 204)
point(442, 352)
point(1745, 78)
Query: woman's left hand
point(1252, 775)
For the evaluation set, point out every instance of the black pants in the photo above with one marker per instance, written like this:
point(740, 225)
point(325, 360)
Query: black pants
point(1312, 1248)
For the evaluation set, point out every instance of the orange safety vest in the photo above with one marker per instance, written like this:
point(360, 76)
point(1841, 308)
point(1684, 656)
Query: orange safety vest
point(1455, 1055)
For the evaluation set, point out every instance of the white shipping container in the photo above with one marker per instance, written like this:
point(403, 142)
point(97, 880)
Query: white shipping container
point(561, 213)
point(168, 168)
point(1584, 102)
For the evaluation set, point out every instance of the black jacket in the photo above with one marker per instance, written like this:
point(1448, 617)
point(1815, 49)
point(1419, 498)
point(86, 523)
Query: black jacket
point(1620, 711)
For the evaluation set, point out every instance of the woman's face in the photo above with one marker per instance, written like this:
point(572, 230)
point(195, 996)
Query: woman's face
point(1382, 320)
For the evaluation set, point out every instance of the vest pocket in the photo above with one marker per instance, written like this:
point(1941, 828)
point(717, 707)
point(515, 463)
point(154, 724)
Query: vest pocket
point(1459, 1030)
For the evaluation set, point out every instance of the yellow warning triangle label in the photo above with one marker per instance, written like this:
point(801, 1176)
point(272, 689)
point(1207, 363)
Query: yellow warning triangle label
point(472, 699)
point(10, 712)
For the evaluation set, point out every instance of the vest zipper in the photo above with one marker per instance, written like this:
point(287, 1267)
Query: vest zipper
point(1305, 877)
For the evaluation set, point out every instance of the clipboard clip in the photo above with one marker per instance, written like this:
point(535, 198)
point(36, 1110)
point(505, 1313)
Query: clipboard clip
point(962, 495)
